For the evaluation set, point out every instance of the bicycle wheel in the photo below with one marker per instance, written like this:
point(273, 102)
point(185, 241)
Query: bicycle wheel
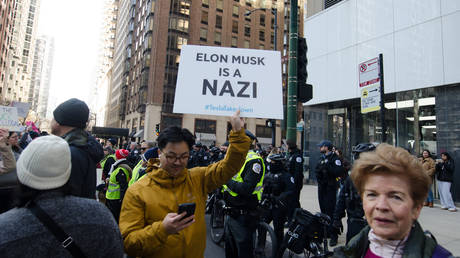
point(266, 243)
point(217, 221)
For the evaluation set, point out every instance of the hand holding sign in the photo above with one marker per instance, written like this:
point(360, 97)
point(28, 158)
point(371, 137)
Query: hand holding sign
point(3, 135)
point(237, 121)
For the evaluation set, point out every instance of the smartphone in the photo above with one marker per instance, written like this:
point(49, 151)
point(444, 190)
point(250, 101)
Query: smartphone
point(187, 207)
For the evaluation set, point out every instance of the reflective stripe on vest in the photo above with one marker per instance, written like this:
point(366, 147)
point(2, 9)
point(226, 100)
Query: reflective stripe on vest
point(136, 171)
point(105, 160)
point(113, 190)
point(259, 187)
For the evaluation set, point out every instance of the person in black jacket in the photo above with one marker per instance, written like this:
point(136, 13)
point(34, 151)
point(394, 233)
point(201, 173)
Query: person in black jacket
point(295, 168)
point(328, 171)
point(350, 201)
point(278, 195)
point(445, 175)
point(69, 122)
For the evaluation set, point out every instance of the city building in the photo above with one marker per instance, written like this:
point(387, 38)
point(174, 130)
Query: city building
point(21, 52)
point(156, 31)
point(99, 98)
point(6, 34)
point(112, 117)
point(419, 42)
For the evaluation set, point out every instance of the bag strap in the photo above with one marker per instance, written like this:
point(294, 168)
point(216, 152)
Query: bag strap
point(65, 240)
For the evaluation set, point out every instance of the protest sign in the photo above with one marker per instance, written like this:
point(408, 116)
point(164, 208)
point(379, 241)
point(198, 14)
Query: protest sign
point(23, 108)
point(9, 118)
point(218, 81)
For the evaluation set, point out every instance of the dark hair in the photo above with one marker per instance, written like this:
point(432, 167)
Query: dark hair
point(175, 134)
point(429, 153)
point(447, 155)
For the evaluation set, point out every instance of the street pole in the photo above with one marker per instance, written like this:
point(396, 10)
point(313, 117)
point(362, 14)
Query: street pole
point(291, 133)
point(273, 121)
point(382, 100)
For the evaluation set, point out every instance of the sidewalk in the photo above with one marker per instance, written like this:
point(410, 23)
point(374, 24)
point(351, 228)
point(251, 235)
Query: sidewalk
point(444, 225)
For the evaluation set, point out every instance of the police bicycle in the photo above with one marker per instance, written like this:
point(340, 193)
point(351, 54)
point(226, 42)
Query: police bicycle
point(217, 227)
point(307, 235)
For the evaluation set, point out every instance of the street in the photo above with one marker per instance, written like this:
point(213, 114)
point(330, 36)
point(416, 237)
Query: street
point(442, 224)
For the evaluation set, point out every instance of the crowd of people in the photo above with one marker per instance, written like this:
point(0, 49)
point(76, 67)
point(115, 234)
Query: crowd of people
point(49, 207)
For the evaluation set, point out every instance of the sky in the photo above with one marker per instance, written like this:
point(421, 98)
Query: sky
point(76, 27)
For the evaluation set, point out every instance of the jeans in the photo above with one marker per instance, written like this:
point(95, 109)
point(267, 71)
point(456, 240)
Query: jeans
point(430, 195)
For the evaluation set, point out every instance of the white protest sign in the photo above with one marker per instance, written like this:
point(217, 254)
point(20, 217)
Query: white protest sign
point(9, 118)
point(218, 81)
point(23, 108)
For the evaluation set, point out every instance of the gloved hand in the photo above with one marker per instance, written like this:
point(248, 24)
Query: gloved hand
point(338, 227)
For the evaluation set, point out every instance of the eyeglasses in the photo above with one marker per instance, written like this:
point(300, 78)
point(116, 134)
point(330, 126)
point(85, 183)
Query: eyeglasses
point(173, 158)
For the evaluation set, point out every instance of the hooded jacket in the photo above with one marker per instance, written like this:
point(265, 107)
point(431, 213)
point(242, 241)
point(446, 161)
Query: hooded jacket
point(148, 201)
point(85, 152)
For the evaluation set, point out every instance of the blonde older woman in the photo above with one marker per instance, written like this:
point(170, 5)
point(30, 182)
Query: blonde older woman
point(393, 186)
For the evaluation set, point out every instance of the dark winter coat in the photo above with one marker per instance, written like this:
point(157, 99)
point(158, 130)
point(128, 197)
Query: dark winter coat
point(85, 152)
point(88, 222)
point(445, 171)
point(418, 245)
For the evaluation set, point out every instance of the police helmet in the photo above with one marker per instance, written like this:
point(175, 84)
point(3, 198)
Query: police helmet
point(362, 147)
point(214, 150)
point(275, 158)
point(250, 135)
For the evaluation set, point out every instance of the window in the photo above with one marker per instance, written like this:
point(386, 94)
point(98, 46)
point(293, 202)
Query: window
point(236, 11)
point(247, 30)
point(184, 8)
point(219, 5)
point(234, 41)
point(205, 126)
point(219, 21)
point(261, 46)
point(263, 131)
point(204, 17)
point(262, 20)
point(273, 23)
point(178, 24)
point(272, 38)
point(235, 26)
point(203, 34)
point(205, 3)
point(249, 3)
point(262, 35)
point(217, 38)
point(247, 18)
point(246, 44)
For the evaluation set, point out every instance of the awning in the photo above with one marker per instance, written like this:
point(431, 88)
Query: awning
point(139, 134)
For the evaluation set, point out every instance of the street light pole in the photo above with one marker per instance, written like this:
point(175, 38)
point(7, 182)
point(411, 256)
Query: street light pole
point(291, 133)
point(275, 45)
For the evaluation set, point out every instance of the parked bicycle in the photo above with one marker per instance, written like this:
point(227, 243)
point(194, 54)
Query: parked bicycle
point(307, 235)
point(218, 219)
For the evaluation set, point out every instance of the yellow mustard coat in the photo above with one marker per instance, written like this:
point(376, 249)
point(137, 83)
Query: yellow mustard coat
point(148, 201)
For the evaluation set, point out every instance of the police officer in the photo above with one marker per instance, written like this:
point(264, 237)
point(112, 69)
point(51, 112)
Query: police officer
point(242, 194)
point(350, 201)
point(295, 168)
point(119, 176)
point(139, 169)
point(215, 155)
point(107, 162)
point(328, 171)
point(198, 157)
point(277, 197)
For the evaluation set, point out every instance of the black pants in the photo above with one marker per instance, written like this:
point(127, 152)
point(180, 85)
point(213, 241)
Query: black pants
point(239, 236)
point(327, 198)
point(114, 207)
point(354, 227)
point(279, 218)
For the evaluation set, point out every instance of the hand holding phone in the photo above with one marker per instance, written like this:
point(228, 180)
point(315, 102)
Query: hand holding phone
point(189, 208)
